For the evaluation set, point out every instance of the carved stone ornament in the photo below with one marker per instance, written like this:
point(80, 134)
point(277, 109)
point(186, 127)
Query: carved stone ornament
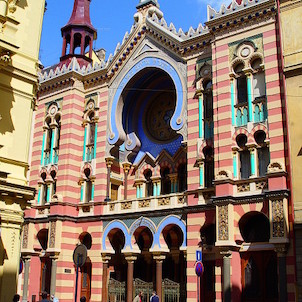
point(127, 205)
point(5, 58)
point(164, 201)
point(278, 218)
point(223, 223)
point(261, 185)
point(144, 204)
point(243, 187)
point(52, 238)
point(25, 236)
point(12, 5)
point(111, 207)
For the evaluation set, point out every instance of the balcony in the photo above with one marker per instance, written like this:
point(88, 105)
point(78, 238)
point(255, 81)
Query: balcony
point(260, 109)
point(241, 114)
point(170, 201)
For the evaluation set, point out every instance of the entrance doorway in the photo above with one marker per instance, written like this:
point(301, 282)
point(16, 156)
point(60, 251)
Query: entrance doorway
point(259, 276)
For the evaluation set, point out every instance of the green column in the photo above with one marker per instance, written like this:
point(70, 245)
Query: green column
point(39, 195)
point(233, 103)
point(43, 149)
point(95, 139)
point(137, 191)
point(84, 148)
point(235, 169)
point(82, 191)
point(52, 144)
point(92, 191)
point(48, 193)
point(201, 174)
point(253, 166)
point(200, 111)
point(249, 97)
point(158, 188)
point(155, 189)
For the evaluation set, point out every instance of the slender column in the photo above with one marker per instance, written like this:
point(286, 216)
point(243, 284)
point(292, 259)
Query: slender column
point(105, 259)
point(26, 278)
point(53, 130)
point(233, 102)
point(159, 258)
point(253, 162)
point(64, 47)
point(235, 166)
point(281, 254)
point(82, 45)
point(227, 255)
point(90, 47)
point(71, 50)
point(53, 275)
point(201, 173)
point(130, 269)
point(109, 162)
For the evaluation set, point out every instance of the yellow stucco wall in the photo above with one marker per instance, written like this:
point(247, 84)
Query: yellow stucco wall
point(20, 32)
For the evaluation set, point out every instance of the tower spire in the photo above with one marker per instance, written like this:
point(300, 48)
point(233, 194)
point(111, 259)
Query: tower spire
point(78, 33)
point(143, 3)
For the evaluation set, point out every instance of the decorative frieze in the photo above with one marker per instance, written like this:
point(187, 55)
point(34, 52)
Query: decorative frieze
point(25, 236)
point(52, 237)
point(126, 205)
point(278, 218)
point(223, 223)
point(164, 201)
point(144, 204)
point(243, 188)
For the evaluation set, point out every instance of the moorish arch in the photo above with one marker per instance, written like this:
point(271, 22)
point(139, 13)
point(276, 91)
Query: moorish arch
point(154, 86)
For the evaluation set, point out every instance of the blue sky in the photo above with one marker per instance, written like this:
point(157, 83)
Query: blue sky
point(112, 18)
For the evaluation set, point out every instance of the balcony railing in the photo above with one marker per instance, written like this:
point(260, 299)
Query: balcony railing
point(241, 114)
point(89, 152)
point(260, 109)
point(170, 201)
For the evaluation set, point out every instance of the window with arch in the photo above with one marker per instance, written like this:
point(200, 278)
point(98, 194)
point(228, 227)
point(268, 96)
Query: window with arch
point(51, 136)
point(244, 157)
point(208, 110)
point(165, 181)
point(263, 153)
point(43, 193)
point(90, 124)
point(248, 83)
point(88, 186)
point(149, 185)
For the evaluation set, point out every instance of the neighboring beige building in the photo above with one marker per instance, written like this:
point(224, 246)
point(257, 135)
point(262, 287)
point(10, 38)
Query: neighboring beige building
point(20, 32)
point(291, 24)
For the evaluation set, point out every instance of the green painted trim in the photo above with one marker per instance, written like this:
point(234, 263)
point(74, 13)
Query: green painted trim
point(201, 176)
point(48, 193)
point(158, 189)
point(154, 189)
point(92, 191)
point(39, 195)
point(84, 149)
point(82, 192)
point(137, 192)
point(52, 144)
point(253, 167)
point(200, 113)
point(43, 149)
point(235, 168)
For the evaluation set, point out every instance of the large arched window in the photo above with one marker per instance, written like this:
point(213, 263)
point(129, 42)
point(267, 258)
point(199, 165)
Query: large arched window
point(244, 157)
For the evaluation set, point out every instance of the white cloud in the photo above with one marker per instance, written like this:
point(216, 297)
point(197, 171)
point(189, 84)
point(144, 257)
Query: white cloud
point(216, 4)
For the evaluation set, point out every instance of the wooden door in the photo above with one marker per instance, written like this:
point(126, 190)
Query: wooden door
point(207, 282)
point(86, 281)
point(259, 276)
point(45, 277)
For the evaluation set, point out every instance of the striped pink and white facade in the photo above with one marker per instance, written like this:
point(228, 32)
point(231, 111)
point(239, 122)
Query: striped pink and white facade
point(91, 194)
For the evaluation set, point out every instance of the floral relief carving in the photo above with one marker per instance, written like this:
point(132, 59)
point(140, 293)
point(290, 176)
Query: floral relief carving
point(111, 207)
point(25, 237)
point(52, 238)
point(243, 188)
point(278, 218)
point(164, 201)
point(261, 185)
point(5, 58)
point(144, 204)
point(223, 223)
point(127, 205)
